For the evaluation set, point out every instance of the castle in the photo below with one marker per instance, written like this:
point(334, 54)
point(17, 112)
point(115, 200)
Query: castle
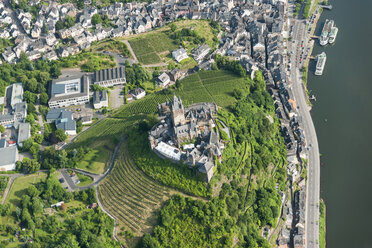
point(187, 135)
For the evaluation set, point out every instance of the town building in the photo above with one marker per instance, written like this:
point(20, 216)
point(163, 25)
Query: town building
point(110, 77)
point(163, 80)
point(176, 74)
point(16, 110)
point(69, 91)
point(138, 93)
point(180, 54)
point(200, 52)
point(63, 120)
point(9, 157)
point(100, 99)
point(23, 133)
point(16, 94)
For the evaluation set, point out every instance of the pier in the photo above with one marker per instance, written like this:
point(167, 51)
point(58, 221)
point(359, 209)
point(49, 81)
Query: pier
point(329, 7)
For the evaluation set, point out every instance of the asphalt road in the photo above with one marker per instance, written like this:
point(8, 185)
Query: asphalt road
point(97, 178)
point(313, 169)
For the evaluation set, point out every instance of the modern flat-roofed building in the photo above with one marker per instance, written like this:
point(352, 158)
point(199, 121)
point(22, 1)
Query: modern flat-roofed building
point(100, 99)
point(69, 91)
point(63, 120)
point(17, 115)
point(110, 77)
point(23, 133)
point(16, 95)
point(9, 157)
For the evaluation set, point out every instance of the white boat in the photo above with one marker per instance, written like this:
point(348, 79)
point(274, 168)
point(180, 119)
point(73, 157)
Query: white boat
point(324, 37)
point(333, 35)
point(320, 63)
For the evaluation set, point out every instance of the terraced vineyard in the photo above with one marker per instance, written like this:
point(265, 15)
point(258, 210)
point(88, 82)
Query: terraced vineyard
point(131, 196)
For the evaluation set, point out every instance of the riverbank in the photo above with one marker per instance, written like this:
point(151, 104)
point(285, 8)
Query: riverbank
point(311, 41)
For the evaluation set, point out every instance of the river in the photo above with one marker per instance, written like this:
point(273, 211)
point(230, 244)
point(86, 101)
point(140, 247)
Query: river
point(342, 116)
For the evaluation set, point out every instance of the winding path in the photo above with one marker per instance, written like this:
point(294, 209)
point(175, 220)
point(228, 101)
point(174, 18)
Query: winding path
point(97, 178)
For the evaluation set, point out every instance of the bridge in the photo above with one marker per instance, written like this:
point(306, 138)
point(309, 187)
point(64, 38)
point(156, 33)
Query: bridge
point(329, 7)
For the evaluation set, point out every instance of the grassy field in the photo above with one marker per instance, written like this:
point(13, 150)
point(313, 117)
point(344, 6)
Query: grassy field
point(95, 160)
point(132, 197)
point(84, 180)
point(21, 184)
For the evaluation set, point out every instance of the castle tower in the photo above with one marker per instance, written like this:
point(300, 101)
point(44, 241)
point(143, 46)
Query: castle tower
point(177, 112)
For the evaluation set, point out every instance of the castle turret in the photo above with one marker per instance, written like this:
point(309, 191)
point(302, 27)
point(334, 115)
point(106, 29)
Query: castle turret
point(177, 112)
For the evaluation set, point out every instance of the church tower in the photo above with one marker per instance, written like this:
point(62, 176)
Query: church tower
point(177, 112)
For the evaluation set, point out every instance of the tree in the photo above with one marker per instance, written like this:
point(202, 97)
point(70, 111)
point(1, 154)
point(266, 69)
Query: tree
point(30, 166)
point(96, 19)
point(2, 129)
point(59, 25)
point(61, 134)
point(173, 27)
point(32, 191)
point(29, 97)
point(69, 21)
point(44, 98)
point(27, 144)
point(39, 138)
point(35, 149)
point(55, 71)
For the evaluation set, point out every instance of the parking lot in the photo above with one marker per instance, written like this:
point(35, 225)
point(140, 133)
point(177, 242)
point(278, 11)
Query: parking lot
point(116, 100)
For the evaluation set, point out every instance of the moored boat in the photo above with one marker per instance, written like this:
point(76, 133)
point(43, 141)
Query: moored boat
point(333, 35)
point(320, 63)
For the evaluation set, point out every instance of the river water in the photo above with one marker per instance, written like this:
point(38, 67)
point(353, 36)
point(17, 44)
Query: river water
point(342, 116)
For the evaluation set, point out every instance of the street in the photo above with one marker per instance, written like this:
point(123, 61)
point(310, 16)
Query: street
point(313, 168)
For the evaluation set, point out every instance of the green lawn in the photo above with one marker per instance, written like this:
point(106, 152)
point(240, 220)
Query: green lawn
point(84, 180)
point(322, 225)
point(21, 184)
point(188, 63)
point(95, 160)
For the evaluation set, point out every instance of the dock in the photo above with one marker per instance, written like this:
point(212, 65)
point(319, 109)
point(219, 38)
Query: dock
point(328, 7)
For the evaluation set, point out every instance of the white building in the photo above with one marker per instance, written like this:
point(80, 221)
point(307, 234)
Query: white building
point(163, 80)
point(69, 91)
point(138, 93)
point(110, 77)
point(100, 99)
point(168, 151)
point(9, 157)
point(180, 54)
